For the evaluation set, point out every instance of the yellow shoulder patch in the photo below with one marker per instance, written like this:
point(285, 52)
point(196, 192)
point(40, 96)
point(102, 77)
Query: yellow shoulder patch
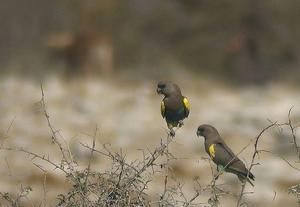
point(187, 106)
point(162, 108)
point(186, 103)
point(211, 150)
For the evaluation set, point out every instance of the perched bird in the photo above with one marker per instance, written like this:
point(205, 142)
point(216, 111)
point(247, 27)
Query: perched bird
point(174, 106)
point(222, 155)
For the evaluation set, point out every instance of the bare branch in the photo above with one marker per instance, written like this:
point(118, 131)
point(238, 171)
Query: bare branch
point(90, 159)
point(292, 128)
point(256, 151)
point(53, 131)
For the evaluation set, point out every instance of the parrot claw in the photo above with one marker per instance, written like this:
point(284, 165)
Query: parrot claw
point(172, 133)
point(180, 123)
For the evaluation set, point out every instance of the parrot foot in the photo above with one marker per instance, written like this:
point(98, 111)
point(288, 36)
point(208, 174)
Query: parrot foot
point(172, 133)
point(180, 123)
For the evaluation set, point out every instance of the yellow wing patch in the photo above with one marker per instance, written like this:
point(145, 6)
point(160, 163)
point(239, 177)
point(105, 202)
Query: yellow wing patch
point(162, 108)
point(187, 106)
point(211, 150)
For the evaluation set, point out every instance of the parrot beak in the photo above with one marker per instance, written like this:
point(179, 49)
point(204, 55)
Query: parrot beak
point(159, 90)
point(198, 133)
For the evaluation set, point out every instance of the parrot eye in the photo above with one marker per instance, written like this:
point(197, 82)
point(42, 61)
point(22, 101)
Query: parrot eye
point(161, 85)
point(201, 129)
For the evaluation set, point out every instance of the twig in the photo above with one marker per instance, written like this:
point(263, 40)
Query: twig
point(44, 188)
point(34, 155)
point(192, 199)
point(274, 197)
point(292, 128)
point(253, 159)
point(11, 124)
point(165, 188)
point(285, 160)
point(53, 131)
point(90, 160)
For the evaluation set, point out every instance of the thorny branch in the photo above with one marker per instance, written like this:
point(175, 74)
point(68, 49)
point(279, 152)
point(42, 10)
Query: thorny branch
point(90, 159)
point(292, 128)
point(54, 132)
point(256, 151)
point(125, 184)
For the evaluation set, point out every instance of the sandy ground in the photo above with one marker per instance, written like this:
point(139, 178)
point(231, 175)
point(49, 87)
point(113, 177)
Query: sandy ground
point(127, 114)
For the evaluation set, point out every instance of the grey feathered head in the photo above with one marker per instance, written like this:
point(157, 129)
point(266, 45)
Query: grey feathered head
point(167, 88)
point(206, 130)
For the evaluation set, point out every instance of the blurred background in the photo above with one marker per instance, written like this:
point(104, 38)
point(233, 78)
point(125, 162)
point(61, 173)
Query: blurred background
point(99, 61)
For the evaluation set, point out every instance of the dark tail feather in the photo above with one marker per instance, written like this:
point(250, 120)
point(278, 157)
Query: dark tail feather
point(251, 176)
point(249, 181)
point(243, 176)
point(243, 179)
point(246, 175)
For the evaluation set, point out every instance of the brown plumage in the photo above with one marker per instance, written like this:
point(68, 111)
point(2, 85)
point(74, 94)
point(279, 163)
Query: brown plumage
point(174, 106)
point(222, 155)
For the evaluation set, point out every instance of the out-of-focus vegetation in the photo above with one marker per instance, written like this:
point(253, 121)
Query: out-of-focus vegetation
point(247, 41)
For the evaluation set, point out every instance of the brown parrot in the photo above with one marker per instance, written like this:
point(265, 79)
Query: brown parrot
point(174, 106)
point(222, 155)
